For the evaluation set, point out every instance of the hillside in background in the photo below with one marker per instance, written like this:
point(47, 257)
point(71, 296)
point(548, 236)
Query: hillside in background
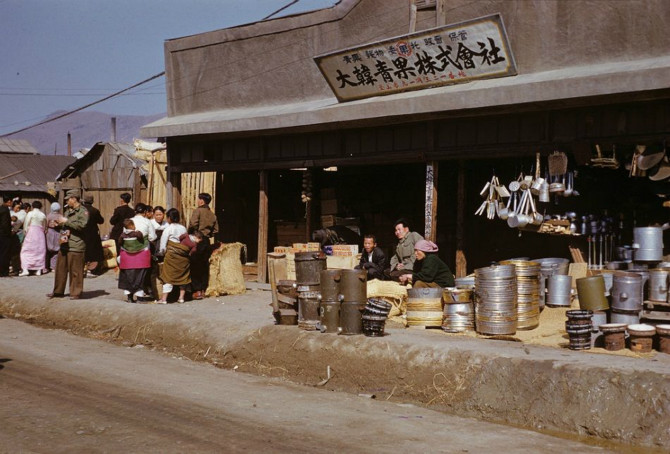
point(87, 128)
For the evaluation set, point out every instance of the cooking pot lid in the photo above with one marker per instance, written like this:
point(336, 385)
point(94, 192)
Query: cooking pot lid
point(662, 172)
point(649, 159)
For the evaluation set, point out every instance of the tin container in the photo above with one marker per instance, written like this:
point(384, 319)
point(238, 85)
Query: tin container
point(458, 317)
point(559, 291)
point(354, 286)
point(330, 285)
point(351, 318)
point(329, 316)
point(308, 267)
point(591, 293)
point(626, 292)
point(658, 285)
point(648, 244)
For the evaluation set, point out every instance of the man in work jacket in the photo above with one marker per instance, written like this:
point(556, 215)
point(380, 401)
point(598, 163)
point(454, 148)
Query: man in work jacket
point(203, 220)
point(403, 260)
point(70, 262)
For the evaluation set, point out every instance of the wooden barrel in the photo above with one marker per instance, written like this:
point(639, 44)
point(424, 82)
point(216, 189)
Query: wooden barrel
point(424, 307)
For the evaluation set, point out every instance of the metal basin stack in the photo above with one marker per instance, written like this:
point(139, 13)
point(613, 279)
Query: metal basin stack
point(459, 310)
point(528, 293)
point(495, 300)
point(424, 307)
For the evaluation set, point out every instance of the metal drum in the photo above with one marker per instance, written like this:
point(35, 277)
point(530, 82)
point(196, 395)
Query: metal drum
point(648, 244)
point(308, 267)
point(459, 312)
point(591, 293)
point(354, 286)
point(644, 273)
point(550, 266)
point(626, 292)
point(330, 285)
point(424, 307)
point(528, 293)
point(351, 318)
point(308, 310)
point(329, 316)
point(559, 291)
point(626, 319)
point(495, 300)
point(658, 285)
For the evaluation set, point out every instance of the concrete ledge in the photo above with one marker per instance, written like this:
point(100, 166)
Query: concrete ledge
point(612, 397)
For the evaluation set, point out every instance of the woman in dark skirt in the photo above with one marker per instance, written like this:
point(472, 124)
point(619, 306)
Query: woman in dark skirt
point(134, 261)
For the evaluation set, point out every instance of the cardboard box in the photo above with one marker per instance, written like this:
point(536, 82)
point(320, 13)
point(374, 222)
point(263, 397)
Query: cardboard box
point(345, 250)
point(306, 247)
point(328, 206)
point(338, 262)
point(330, 220)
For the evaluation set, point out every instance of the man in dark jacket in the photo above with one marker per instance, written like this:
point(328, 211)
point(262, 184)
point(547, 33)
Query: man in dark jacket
point(204, 221)
point(373, 259)
point(121, 213)
point(5, 235)
point(94, 255)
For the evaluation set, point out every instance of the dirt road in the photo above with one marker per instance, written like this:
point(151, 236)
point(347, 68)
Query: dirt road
point(62, 393)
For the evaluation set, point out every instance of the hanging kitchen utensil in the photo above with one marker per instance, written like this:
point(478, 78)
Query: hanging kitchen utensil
point(648, 159)
point(557, 163)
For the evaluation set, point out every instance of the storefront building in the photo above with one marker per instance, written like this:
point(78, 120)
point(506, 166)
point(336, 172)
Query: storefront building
point(251, 103)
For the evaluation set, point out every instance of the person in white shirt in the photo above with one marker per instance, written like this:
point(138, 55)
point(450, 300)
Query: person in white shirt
point(142, 224)
point(158, 221)
point(176, 267)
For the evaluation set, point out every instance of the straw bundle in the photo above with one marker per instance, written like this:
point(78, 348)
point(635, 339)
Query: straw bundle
point(225, 271)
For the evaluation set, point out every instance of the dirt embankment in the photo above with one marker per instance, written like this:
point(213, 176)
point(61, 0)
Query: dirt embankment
point(498, 381)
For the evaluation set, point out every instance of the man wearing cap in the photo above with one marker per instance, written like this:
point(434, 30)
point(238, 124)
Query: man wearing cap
point(429, 269)
point(70, 262)
point(204, 220)
point(94, 255)
point(402, 262)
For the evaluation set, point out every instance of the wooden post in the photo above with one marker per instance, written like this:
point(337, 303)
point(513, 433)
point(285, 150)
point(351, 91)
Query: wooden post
point(262, 257)
point(412, 16)
point(150, 186)
point(461, 262)
point(441, 12)
point(431, 201)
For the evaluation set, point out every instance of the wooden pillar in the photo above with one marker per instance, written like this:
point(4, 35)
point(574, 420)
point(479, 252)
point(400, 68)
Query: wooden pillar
point(461, 262)
point(430, 223)
point(262, 258)
point(412, 16)
point(441, 12)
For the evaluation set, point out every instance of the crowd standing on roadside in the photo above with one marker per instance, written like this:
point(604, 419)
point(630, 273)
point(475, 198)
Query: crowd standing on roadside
point(159, 259)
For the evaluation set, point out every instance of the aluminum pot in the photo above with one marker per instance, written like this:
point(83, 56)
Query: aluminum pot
point(559, 291)
point(648, 244)
point(626, 292)
point(658, 284)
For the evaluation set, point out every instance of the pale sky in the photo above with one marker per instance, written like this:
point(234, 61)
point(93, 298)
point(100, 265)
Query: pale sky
point(63, 54)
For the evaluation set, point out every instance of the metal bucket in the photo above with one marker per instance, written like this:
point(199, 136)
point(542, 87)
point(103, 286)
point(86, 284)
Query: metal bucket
point(626, 292)
point(354, 286)
point(658, 285)
point(648, 244)
point(550, 266)
point(351, 320)
point(559, 291)
point(330, 285)
point(308, 267)
point(458, 317)
point(626, 319)
point(424, 307)
point(591, 293)
point(329, 316)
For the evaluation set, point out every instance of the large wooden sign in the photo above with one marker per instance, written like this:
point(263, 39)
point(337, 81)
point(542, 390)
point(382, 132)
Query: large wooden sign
point(456, 53)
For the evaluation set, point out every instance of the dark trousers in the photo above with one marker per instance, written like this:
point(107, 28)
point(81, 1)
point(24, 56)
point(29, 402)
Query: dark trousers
point(200, 266)
point(69, 264)
point(5, 254)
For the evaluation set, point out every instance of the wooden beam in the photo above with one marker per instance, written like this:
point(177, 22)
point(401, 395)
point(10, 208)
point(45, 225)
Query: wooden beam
point(262, 258)
point(441, 12)
point(431, 201)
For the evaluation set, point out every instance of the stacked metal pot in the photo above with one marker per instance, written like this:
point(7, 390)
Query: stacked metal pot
point(308, 267)
point(528, 293)
point(496, 300)
point(459, 311)
point(374, 317)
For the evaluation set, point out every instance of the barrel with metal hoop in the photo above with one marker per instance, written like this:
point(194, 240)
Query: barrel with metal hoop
point(424, 307)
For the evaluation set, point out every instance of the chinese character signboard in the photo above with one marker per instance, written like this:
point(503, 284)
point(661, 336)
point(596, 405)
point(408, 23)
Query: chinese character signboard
point(476, 49)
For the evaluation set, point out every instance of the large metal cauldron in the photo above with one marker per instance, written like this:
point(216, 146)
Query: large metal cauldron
point(354, 286)
point(648, 244)
point(308, 266)
point(626, 292)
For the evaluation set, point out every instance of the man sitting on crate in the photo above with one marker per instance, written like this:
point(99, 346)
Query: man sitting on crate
point(373, 259)
point(402, 262)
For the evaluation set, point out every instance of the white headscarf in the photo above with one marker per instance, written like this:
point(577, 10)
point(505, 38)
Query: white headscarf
point(55, 207)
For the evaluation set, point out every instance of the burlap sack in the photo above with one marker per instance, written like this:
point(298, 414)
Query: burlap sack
point(225, 271)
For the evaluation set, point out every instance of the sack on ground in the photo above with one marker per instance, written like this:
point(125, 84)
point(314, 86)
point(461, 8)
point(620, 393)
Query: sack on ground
point(225, 271)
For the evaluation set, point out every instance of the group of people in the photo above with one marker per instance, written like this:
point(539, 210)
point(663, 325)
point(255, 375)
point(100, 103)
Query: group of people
point(150, 242)
point(415, 260)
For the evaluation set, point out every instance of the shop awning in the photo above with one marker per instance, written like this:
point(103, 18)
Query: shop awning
point(606, 79)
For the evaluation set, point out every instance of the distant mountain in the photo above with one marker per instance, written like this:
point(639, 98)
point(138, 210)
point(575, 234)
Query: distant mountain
point(87, 129)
